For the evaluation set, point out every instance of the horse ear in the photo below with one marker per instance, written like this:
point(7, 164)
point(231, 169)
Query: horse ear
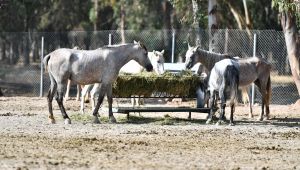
point(162, 52)
point(135, 42)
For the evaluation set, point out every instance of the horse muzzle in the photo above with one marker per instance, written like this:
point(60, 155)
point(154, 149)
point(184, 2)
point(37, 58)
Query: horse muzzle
point(149, 67)
point(188, 65)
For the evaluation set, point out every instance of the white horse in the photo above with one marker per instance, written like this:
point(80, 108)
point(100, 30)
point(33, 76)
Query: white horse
point(88, 67)
point(132, 67)
point(223, 77)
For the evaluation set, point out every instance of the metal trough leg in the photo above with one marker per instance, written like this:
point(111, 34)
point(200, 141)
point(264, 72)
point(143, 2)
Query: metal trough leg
point(190, 116)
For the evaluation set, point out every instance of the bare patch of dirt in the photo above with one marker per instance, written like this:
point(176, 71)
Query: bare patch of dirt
point(28, 141)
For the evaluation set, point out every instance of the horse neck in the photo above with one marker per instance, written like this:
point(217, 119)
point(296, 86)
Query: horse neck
point(123, 56)
point(208, 59)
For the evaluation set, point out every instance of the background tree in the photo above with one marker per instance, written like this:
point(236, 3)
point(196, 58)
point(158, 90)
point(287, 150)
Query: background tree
point(290, 16)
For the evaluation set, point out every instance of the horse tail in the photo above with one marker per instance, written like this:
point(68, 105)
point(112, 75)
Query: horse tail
point(232, 82)
point(45, 61)
point(268, 91)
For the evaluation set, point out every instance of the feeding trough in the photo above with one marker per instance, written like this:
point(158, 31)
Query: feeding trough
point(175, 85)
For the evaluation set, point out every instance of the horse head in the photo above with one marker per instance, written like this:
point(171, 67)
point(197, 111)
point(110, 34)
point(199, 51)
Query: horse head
point(190, 57)
point(157, 61)
point(141, 56)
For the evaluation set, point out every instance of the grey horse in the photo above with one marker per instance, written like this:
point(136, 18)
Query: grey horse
point(132, 67)
point(252, 70)
point(88, 67)
point(224, 77)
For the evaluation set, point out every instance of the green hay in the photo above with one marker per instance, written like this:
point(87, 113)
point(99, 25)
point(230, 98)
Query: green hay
point(183, 84)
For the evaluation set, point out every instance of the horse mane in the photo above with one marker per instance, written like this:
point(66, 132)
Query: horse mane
point(143, 46)
point(120, 45)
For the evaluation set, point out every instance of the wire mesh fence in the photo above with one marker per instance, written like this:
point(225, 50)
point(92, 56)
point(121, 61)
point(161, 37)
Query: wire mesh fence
point(20, 53)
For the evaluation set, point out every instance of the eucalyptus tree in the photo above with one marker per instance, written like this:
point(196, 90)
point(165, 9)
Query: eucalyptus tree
point(290, 19)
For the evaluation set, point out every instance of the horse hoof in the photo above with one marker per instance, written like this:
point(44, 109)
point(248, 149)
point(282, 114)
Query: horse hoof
point(67, 121)
point(231, 124)
point(52, 121)
point(208, 121)
point(112, 120)
point(96, 120)
point(260, 119)
point(220, 122)
point(266, 118)
point(250, 116)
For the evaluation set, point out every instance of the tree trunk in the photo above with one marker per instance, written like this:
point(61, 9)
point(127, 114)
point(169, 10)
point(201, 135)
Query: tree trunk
point(288, 23)
point(167, 21)
point(213, 26)
point(196, 21)
point(26, 49)
point(3, 52)
point(122, 24)
point(96, 14)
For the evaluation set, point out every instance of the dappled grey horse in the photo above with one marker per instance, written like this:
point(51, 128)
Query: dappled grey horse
point(88, 67)
point(252, 69)
point(223, 78)
point(132, 67)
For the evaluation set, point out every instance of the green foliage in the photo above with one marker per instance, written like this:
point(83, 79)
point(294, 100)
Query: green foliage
point(288, 5)
point(184, 12)
point(66, 15)
point(92, 15)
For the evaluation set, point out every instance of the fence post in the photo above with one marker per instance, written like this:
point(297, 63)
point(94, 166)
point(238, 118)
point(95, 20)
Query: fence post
point(42, 68)
point(173, 46)
point(254, 54)
point(109, 39)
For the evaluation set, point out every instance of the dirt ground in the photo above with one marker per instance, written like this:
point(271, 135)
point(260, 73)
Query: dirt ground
point(152, 141)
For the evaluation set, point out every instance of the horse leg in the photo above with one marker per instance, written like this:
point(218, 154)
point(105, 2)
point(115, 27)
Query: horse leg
point(67, 95)
point(94, 92)
point(211, 106)
point(246, 93)
point(78, 92)
point(222, 106)
point(50, 96)
point(141, 100)
point(59, 99)
point(262, 90)
point(268, 98)
point(102, 92)
point(84, 91)
point(112, 119)
point(232, 108)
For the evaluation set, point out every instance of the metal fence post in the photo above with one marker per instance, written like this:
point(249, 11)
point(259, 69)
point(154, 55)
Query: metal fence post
point(42, 68)
point(109, 39)
point(254, 54)
point(173, 46)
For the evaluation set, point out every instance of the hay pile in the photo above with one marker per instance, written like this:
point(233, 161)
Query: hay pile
point(183, 84)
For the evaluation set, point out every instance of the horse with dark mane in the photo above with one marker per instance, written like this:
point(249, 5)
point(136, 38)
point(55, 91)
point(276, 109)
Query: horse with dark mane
point(224, 77)
point(88, 67)
point(252, 70)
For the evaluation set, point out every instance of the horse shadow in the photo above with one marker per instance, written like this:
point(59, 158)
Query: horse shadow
point(167, 120)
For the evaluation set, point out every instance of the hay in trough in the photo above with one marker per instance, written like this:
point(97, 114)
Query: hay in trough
point(183, 84)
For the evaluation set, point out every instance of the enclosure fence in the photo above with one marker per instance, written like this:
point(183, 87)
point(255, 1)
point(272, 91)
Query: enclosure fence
point(21, 53)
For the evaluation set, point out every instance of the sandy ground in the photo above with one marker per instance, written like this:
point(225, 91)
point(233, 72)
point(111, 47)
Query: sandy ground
point(28, 141)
